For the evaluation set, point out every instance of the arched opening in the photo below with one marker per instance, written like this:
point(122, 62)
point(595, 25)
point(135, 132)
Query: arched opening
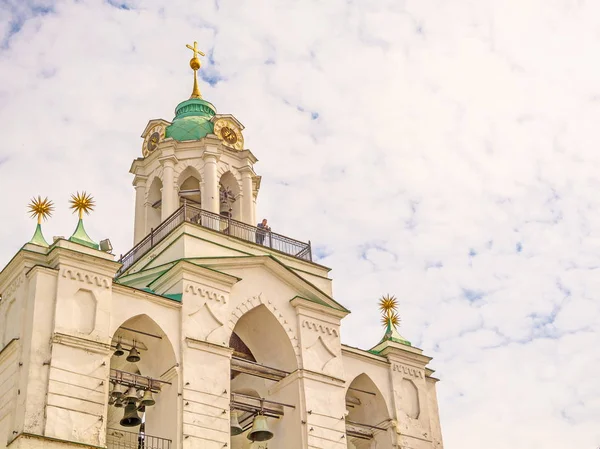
point(153, 206)
point(263, 356)
point(142, 401)
point(189, 187)
point(368, 419)
point(230, 203)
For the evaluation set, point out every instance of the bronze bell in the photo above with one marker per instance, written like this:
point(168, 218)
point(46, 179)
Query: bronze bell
point(234, 424)
point(118, 391)
point(260, 430)
point(134, 355)
point(132, 395)
point(147, 399)
point(130, 417)
point(119, 350)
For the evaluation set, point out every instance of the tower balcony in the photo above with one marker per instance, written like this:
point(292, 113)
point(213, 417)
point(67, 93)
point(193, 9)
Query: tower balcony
point(222, 224)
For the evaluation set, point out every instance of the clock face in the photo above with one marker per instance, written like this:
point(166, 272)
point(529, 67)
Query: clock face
point(230, 133)
point(153, 138)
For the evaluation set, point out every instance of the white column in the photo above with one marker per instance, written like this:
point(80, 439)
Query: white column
point(210, 193)
point(167, 206)
point(139, 228)
point(247, 201)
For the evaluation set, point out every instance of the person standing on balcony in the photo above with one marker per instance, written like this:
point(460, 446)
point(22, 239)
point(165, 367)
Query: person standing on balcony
point(261, 231)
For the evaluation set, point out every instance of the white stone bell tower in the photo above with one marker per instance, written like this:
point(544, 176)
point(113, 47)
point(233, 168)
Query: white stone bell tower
point(199, 158)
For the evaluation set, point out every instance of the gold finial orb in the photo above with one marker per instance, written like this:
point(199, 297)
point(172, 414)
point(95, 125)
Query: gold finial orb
point(195, 64)
point(41, 208)
point(82, 202)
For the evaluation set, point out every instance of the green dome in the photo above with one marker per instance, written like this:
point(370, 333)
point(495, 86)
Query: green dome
point(192, 120)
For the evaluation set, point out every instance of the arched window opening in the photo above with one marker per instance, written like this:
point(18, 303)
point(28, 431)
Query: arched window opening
point(189, 187)
point(153, 209)
point(230, 204)
point(143, 388)
point(263, 355)
point(367, 420)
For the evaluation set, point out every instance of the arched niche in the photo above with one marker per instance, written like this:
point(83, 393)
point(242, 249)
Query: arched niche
point(367, 411)
point(229, 196)
point(189, 186)
point(153, 209)
point(158, 362)
point(258, 337)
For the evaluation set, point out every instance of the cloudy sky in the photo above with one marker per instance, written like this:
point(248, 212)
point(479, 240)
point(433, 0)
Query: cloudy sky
point(444, 151)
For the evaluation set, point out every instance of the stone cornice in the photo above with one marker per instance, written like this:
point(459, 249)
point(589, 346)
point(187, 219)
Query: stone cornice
point(63, 251)
point(157, 299)
point(304, 305)
point(224, 351)
point(308, 375)
point(98, 347)
point(195, 273)
point(21, 261)
point(349, 351)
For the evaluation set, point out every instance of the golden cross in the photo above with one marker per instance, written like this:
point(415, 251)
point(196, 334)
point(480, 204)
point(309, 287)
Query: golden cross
point(195, 49)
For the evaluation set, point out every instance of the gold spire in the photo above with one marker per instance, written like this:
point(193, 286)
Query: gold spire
point(41, 208)
point(195, 65)
point(82, 202)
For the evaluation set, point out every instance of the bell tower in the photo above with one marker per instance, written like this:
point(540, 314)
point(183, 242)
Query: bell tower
point(198, 158)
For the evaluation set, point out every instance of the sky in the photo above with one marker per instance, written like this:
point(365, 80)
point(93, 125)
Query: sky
point(444, 152)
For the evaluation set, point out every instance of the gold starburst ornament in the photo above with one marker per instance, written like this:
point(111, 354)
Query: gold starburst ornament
point(82, 202)
point(40, 208)
point(388, 304)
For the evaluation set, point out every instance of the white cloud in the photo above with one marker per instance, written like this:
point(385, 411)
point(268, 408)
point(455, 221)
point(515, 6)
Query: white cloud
point(442, 151)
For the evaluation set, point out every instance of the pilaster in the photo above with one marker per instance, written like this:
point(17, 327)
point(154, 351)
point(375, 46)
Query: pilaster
point(412, 396)
point(210, 192)
point(168, 161)
point(139, 230)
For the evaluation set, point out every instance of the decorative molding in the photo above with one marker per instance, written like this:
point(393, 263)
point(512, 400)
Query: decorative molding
point(413, 372)
point(223, 167)
point(205, 293)
point(91, 279)
point(323, 354)
point(171, 373)
point(255, 301)
point(318, 327)
point(13, 287)
point(206, 320)
point(181, 166)
point(82, 343)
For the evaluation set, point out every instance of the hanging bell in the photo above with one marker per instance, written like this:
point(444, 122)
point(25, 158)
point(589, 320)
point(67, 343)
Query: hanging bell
point(260, 430)
point(234, 424)
point(147, 399)
point(134, 355)
point(119, 350)
point(118, 391)
point(118, 403)
point(131, 395)
point(130, 416)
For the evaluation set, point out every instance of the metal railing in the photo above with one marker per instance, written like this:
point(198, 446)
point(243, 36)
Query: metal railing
point(219, 223)
point(121, 439)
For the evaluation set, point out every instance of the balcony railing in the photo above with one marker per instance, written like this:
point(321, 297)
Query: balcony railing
point(121, 439)
point(219, 223)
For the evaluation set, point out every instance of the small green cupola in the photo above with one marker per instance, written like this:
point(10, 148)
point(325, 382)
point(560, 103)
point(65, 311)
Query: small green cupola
point(192, 117)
